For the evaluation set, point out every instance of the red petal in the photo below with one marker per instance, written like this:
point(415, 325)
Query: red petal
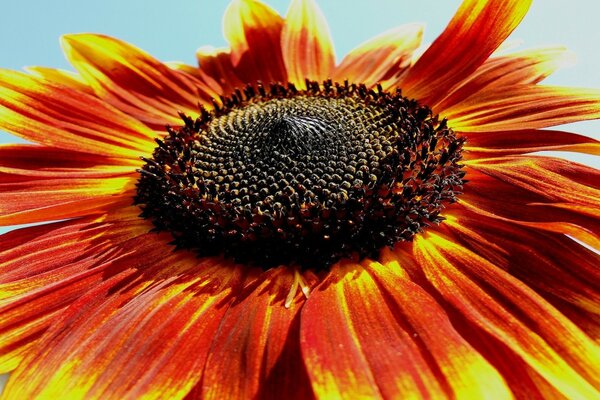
point(144, 333)
point(133, 81)
point(512, 108)
point(505, 143)
point(306, 43)
point(475, 32)
point(60, 116)
point(50, 162)
point(217, 70)
point(256, 351)
point(386, 56)
point(253, 30)
point(497, 304)
point(369, 331)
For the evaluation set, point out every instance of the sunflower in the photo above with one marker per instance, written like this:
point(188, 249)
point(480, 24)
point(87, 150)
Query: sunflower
point(272, 224)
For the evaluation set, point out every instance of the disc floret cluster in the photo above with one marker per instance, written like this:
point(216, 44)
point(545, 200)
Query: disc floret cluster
point(276, 175)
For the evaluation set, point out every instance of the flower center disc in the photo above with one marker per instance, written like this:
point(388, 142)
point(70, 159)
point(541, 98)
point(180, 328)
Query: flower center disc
point(283, 176)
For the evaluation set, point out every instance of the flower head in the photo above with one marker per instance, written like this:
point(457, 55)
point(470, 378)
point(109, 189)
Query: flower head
point(273, 224)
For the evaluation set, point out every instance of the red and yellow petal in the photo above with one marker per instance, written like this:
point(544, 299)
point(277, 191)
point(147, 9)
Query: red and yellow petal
point(61, 116)
point(155, 320)
point(217, 70)
point(258, 339)
point(253, 30)
point(557, 258)
point(306, 44)
point(494, 302)
point(43, 269)
point(133, 81)
point(384, 58)
point(473, 34)
point(517, 106)
point(369, 331)
point(28, 199)
point(523, 68)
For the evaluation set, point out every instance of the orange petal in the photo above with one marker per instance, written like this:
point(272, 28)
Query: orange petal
point(512, 108)
point(43, 269)
point(133, 81)
point(501, 306)
point(506, 143)
point(525, 67)
point(306, 43)
point(386, 56)
point(253, 30)
point(144, 333)
point(26, 199)
point(368, 331)
point(64, 117)
point(258, 340)
point(473, 34)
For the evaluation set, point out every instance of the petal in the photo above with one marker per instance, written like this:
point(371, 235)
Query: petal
point(473, 34)
point(306, 43)
point(506, 143)
point(61, 116)
point(515, 198)
point(525, 67)
point(503, 307)
point(133, 81)
point(43, 269)
point(253, 30)
point(63, 77)
point(143, 333)
point(553, 179)
point(559, 269)
point(51, 162)
point(217, 70)
point(513, 107)
point(369, 331)
point(26, 199)
point(258, 340)
point(384, 57)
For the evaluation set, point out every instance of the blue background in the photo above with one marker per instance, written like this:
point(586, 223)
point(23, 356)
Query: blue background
point(172, 30)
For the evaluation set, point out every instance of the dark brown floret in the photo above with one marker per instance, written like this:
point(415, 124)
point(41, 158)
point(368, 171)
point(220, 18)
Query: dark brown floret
point(279, 175)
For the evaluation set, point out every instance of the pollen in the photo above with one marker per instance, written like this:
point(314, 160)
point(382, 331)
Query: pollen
point(275, 175)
